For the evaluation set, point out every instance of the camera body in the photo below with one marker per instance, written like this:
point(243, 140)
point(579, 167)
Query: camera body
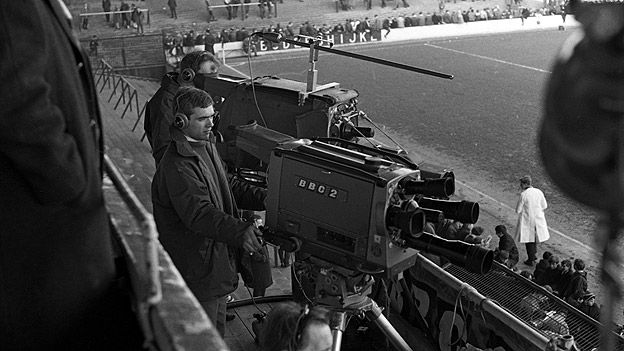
point(335, 201)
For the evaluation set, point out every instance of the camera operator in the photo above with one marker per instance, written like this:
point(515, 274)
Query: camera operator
point(195, 206)
point(158, 113)
point(292, 327)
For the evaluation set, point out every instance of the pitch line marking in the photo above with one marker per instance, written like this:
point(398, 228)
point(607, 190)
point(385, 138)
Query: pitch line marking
point(235, 70)
point(488, 58)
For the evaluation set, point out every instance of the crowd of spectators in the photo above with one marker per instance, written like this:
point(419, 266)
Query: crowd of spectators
point(177, 43)
point(566, 279)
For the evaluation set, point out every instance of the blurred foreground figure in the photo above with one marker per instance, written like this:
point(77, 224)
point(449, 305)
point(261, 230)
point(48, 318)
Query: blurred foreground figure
point(292, 327)
point(56, 259)
point(581, 138)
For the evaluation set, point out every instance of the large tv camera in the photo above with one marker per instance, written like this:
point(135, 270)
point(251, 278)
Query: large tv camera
point(350, 211)
point(355, 206)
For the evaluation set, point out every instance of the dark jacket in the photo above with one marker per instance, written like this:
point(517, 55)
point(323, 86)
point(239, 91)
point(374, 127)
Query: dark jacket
point(540, 271)
point(159, 115)
point(564, 281)
point(56, 261)
point(507, 243)
point(577, 286)
point(198, 220)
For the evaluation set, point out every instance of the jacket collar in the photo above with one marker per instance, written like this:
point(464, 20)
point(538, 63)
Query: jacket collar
point(182, 145)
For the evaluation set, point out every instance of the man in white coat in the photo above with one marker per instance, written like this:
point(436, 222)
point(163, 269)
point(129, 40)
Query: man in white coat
point(531, 228)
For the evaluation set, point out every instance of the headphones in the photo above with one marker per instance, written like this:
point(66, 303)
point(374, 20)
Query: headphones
point(188, 74)
point(180, 120)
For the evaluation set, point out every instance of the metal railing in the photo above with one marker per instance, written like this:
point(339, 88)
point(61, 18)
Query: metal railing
point(127, 94)
point(536, 306)
point(93, 14)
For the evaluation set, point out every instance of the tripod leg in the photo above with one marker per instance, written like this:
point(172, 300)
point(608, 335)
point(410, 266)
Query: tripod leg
point(374, 315)
point(338, 324)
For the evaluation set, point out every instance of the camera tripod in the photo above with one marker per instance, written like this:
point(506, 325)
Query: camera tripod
point(345, 293)
point(373, 313)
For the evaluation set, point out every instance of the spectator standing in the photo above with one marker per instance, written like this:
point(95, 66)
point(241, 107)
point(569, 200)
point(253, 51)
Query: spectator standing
point(116, 19)
point(531, 228)
point(106, 7)
point(57, 270)
point(246, 8)
point(290, 30)
point(93, 45)
point(125, 16)
point(84, 20)
point(235, 6)
point(525, 14)
point(506, 243)
point(172, 8)
point(137, 18)
point(228, 8)
point(209, 41)
point(196, 206)
point(211, 16)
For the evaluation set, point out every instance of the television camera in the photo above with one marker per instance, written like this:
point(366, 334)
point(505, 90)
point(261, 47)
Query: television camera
point(350, 211)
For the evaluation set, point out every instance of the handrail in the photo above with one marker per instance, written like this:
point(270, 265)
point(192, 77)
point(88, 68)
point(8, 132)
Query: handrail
point(114, 12)
point(128, 93)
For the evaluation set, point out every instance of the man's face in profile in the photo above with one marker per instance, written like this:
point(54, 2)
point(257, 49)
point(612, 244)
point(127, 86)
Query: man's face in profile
point(200, 123)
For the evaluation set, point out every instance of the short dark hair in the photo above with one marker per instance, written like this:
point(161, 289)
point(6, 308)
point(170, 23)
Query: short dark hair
point(579, 264)
point(194, 59)
point(526, 180)
point(188, 98)
point(500, 229)
point(286, 322)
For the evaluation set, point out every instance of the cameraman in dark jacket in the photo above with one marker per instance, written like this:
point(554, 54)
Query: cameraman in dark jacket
point(195, 206)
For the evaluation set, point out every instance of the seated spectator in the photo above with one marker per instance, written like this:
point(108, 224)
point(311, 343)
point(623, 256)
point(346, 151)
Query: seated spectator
point(565, 276)
point(551, 273)
point(506, 243)
point(578, 283)
point(541, 267)
point(289, 326)
point(589, 306)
